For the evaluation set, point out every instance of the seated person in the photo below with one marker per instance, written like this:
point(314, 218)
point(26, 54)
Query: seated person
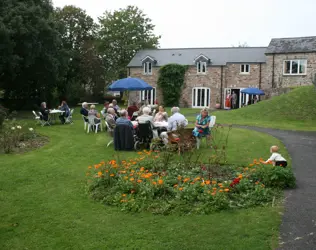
point(161, 116)
point(115, 106)
point(44, 111)
point(132, 109)
point(202, 124)
point(116, 111)
point(147, 118)
point(104, 110)
point(174, 121)
point(64, 107)
point(94, 112)
point(110, 117)
point(123, 119)
point(276, 158)
point(84, 110)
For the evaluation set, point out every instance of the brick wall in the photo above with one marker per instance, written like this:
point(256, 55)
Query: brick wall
point(283, 81)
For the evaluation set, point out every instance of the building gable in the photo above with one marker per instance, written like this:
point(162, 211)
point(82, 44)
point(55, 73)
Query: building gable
point(292, 45)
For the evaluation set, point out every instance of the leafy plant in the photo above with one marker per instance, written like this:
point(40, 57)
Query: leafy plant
point(171, 80)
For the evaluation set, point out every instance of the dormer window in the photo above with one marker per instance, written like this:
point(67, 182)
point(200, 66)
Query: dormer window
point(147, 68)
point(201, 62)
point(201, 67)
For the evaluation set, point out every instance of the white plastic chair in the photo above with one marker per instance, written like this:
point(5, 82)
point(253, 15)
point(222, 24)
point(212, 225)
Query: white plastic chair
point(86, 123)
point(36, 117)
point(68, 119)
point(213, 121)
point(92, 123)
point(42, 121)
point(109, 129)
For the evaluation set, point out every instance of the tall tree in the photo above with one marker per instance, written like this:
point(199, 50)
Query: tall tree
point(29, 50)
point(122, 34)
point(78, 32)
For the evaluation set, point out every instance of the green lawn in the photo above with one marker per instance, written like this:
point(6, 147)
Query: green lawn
point(293, 111)
point(44, 204)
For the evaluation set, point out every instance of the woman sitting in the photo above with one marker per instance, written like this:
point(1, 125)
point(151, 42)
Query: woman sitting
point(202, 124)
point(161, 116)
point(64, 107)
point(94, 112)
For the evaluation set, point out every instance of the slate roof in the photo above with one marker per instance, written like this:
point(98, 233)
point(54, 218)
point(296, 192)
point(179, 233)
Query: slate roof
point(218, 56)
point(292, 45)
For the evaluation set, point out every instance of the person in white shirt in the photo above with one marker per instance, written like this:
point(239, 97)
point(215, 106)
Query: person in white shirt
point(145, 117)
point(276, 158)
point(174, 121)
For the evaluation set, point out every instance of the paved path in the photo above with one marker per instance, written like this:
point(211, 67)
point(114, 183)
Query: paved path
point(298, 228)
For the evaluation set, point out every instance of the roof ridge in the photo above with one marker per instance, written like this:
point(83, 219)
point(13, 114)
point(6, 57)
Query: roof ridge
point(294, 37)
point(255, 47)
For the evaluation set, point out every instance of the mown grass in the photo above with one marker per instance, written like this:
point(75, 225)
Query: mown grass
point(44, 204)
point(293, 111)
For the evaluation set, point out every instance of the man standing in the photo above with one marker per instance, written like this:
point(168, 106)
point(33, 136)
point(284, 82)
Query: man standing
point(234, 100)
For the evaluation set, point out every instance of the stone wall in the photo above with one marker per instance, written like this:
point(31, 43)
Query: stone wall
point(283, 81)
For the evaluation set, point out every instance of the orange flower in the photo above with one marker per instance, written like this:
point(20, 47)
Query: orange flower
point(139, 181)
point(89, 167)
point(132, 191)
point(175, 185)
point(96, 166)
point(154, 183)
point(197, 178)
point(179, 178)
point(160, 182)
point(132, 170)
point(131, 179)
point(221, 190)
point(240, 176)
point(257, 182)
point(113, 162)
point(207, 182)
point(112, 175)
point(246, 169)
point(220, 184)
point(123, 195)
point(251, 165)
point(140, 153)
point(214, 189)
point(99, 173)
point(214, 182)
point(125, 178)
point(131, 174)
point(134, 162)
point(106, 171)
point(192, 183)
point(102, 162)
point(226, 189)
point(142, 169)
point(186, 180)
point(214, 193)
point(181, 189)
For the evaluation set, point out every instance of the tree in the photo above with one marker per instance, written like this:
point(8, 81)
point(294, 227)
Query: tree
point(29, 65)
point(122, 34)
point(245, 44)
point(78, 32)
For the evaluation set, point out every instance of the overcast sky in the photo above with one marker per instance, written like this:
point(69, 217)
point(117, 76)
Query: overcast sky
point(216, 23)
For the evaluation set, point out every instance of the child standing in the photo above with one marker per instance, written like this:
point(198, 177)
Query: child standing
point(276, 158)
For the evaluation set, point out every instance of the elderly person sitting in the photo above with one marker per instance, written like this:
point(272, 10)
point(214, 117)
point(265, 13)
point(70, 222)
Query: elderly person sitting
point(132, 109)
point(84, 110)
point(174, 122)
point(115, 106)
point(44, 111)
point(110, 117)
point(64, 107)
point(202, 124)
point(123, 119)
point(161, 116)
point(145, 117)
point(94, 112)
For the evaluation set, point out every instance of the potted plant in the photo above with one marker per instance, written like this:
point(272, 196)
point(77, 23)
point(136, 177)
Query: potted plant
point(217, 105)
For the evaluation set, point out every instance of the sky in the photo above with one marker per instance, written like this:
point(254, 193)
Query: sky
point(216, 23)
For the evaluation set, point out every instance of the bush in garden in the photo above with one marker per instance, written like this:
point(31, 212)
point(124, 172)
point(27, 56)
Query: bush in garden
point(153, 182)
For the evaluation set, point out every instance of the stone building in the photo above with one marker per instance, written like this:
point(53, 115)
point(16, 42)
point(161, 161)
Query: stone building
point(215, 73)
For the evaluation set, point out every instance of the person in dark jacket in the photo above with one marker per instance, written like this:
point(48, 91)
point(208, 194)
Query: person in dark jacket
point(44, 111)
point(84, 110)
point(124, 133)
point(64, 107)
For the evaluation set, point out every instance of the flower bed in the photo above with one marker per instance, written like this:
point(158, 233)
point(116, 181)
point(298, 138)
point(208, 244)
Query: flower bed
point(148, 184)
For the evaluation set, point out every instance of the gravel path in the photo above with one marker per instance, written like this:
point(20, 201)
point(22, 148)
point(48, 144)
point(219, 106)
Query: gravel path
point(298, 228)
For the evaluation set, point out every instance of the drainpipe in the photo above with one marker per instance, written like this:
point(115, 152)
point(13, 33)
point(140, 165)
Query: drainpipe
point(260, 70)
point(129, 71)
point(273, 71)
point(221, 99)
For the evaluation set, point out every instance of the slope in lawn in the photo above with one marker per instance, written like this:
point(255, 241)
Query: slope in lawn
point(295, 110)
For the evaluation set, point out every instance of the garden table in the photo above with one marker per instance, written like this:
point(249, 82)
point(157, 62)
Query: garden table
point(53, 113)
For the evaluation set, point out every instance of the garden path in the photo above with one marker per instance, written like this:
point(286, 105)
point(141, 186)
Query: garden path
point(298, 228)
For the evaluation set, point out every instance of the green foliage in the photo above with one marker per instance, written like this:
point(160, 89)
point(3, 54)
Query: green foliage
point(171, 81)
point(155, 184)
point(122, 33)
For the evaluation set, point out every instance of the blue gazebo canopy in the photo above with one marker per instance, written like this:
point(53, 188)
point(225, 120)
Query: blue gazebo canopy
point(129, 84)
point(252, 91)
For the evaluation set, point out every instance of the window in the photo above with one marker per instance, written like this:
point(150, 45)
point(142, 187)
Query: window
point(148, 95)
point(201, 97)
point(201, 67)
point(244, 69)
point(147, 68)
point(295, 67)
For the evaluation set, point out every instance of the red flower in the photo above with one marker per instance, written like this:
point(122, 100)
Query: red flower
point(235, 182)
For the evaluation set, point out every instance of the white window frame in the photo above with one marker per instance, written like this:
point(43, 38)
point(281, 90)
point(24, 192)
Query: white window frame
point(205, 104)
point(146, 69)
point(245, 67)
point(201, 64)
point(150, 93)
point(298, 67)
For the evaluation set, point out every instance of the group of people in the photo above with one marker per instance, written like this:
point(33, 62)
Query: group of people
point(44, 111)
